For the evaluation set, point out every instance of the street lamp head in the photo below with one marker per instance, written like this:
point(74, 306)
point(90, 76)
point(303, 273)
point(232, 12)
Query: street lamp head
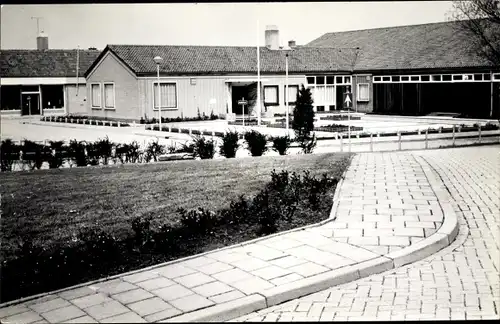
point(158, 59)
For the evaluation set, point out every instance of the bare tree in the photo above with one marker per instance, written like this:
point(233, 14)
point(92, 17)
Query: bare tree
point(481, 20)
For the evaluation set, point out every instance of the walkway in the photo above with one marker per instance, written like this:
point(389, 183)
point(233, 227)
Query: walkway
point(462, 281)
point(387, 202)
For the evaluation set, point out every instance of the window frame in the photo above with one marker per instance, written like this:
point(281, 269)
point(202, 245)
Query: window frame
point(163, 108)
point(92, 95)
point(359, 92)
point(104, 95)
point(286, 93)
point(277, 95)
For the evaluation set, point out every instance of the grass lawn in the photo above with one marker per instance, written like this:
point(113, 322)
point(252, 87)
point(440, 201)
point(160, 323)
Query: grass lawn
point(50, 206)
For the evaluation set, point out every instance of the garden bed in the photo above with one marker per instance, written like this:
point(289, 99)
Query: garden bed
point(340, 117)
point(45, 212)
point(83, 120)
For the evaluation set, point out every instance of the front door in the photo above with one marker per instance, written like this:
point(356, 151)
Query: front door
point(30, 104)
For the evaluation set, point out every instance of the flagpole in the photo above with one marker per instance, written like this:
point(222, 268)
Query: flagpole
point(258, 77)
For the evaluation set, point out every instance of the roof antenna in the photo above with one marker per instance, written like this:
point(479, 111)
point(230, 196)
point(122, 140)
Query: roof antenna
point(37, 24)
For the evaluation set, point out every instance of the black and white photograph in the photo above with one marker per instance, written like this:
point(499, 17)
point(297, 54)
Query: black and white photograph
point(249, 161)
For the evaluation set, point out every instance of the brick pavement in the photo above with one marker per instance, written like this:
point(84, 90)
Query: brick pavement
point(461, 281)
point(385, 204)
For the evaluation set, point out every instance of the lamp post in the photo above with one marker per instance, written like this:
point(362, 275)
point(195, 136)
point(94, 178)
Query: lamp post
point(286, 94)
point(158, 60)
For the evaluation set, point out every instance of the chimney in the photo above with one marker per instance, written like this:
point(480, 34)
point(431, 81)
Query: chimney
point(272, 37)
point(291, 43)
point(42, 41)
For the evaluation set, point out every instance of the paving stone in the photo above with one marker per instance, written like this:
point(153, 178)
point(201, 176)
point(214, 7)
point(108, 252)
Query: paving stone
point(251, 264)
point(141, 276)
point(251, 285)
point(83, 319)
point(132, 296)
point(198, 262)
point(105, 310)
point(155, 283)
point(114, 286)
point(24, 318)
point(129, 317)
point(191, 303)
point(194, 279)
point(174, 270)
point(165, 314)
point(286, 279)
point(232, 275)
point(282, 243)
point(63, 314)
point(395, 240)
point(149, 306)
point(49, 305)
point(225, 297)
point(214, 267)
point(308, 269)
point(172, 292)
point(362, 241)
point(287, 261)
point(91, 300)
point(211, 289)
point(419, 232)
point(76, 293)
point(13, 310)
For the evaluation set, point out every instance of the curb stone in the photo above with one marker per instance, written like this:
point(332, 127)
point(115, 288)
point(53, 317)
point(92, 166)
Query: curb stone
point(160, 265)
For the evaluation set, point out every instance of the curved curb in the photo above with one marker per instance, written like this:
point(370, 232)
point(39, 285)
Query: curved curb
point(277, 295)
point(329, 219)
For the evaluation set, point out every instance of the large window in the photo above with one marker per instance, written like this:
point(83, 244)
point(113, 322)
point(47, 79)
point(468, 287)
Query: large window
point(168, 93)
point(271, 95)
point(363, 92)
point(52, 96)
point(109, 95)
point(293, 91)
point(10, 97)
point(95, 94)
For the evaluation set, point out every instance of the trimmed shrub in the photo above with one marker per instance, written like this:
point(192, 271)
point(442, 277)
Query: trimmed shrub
point(9, 152)
point(229, 144)
point(34, 154)
point(256, 143)
point(56, 158)
point(281, 144)
point(303, 120)
point(77, 153)
point(203, 148)
point(199, 221)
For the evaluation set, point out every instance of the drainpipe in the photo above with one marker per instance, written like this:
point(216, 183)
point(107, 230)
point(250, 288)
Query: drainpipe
point(77, 66)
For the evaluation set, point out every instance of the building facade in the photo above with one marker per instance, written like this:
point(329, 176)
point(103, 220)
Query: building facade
point(43, 81)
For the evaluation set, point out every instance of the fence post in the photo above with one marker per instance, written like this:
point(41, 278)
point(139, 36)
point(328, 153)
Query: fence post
point(66, 119)
point(180, 130)
point(190, 132)
point(399, 140)
point(119, 124)
point(169, 128)
point(213, 134)
point(453, 135)
point(371, 142)
point(418, 131)
point(133, 123)
point(426, 137)
point(479, 129)
point(341, 143)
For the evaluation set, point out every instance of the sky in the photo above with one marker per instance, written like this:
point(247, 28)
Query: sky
point(223, 24)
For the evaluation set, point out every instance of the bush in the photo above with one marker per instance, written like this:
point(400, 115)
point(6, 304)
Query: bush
point(308, 144)
point(229, 144)
point(203, 148)
point(104, 148)
point(34, 154)
point(154, 150)
point(56, 158)
point(77, 153)
point(9, 152)
point(303, 120)
point(256, 142)
point(199, 221)
point(281, 144)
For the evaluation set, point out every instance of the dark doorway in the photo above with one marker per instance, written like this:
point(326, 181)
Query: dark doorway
point(247, 92)
point(30, 104)
point(340, 97)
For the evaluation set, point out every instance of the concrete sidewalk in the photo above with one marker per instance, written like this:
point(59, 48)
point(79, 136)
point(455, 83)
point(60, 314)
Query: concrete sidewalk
point(390, 210)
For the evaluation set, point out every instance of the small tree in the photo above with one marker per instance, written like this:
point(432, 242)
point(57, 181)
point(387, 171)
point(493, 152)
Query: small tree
point(303, 121)
point(257, 143)
point(203, 148)
point(281, 144)
point(229, 144)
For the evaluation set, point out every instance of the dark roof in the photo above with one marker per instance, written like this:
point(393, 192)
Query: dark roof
point(427, 46)
point(44, 63)
point(230, 59)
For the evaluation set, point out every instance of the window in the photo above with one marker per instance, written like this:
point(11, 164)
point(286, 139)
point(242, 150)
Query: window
point(320, 80)
point(293, 91)
point(10, 97)
point(95, 89)
point(310, 80)
point(330, 80)
point(363, 92)
point(168, 93)
point(109, 95)
point(52, 96)
point(425, 78)
point(271, 95)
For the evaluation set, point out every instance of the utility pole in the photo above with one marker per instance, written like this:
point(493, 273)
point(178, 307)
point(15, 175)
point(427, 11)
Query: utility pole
point(37, 24)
